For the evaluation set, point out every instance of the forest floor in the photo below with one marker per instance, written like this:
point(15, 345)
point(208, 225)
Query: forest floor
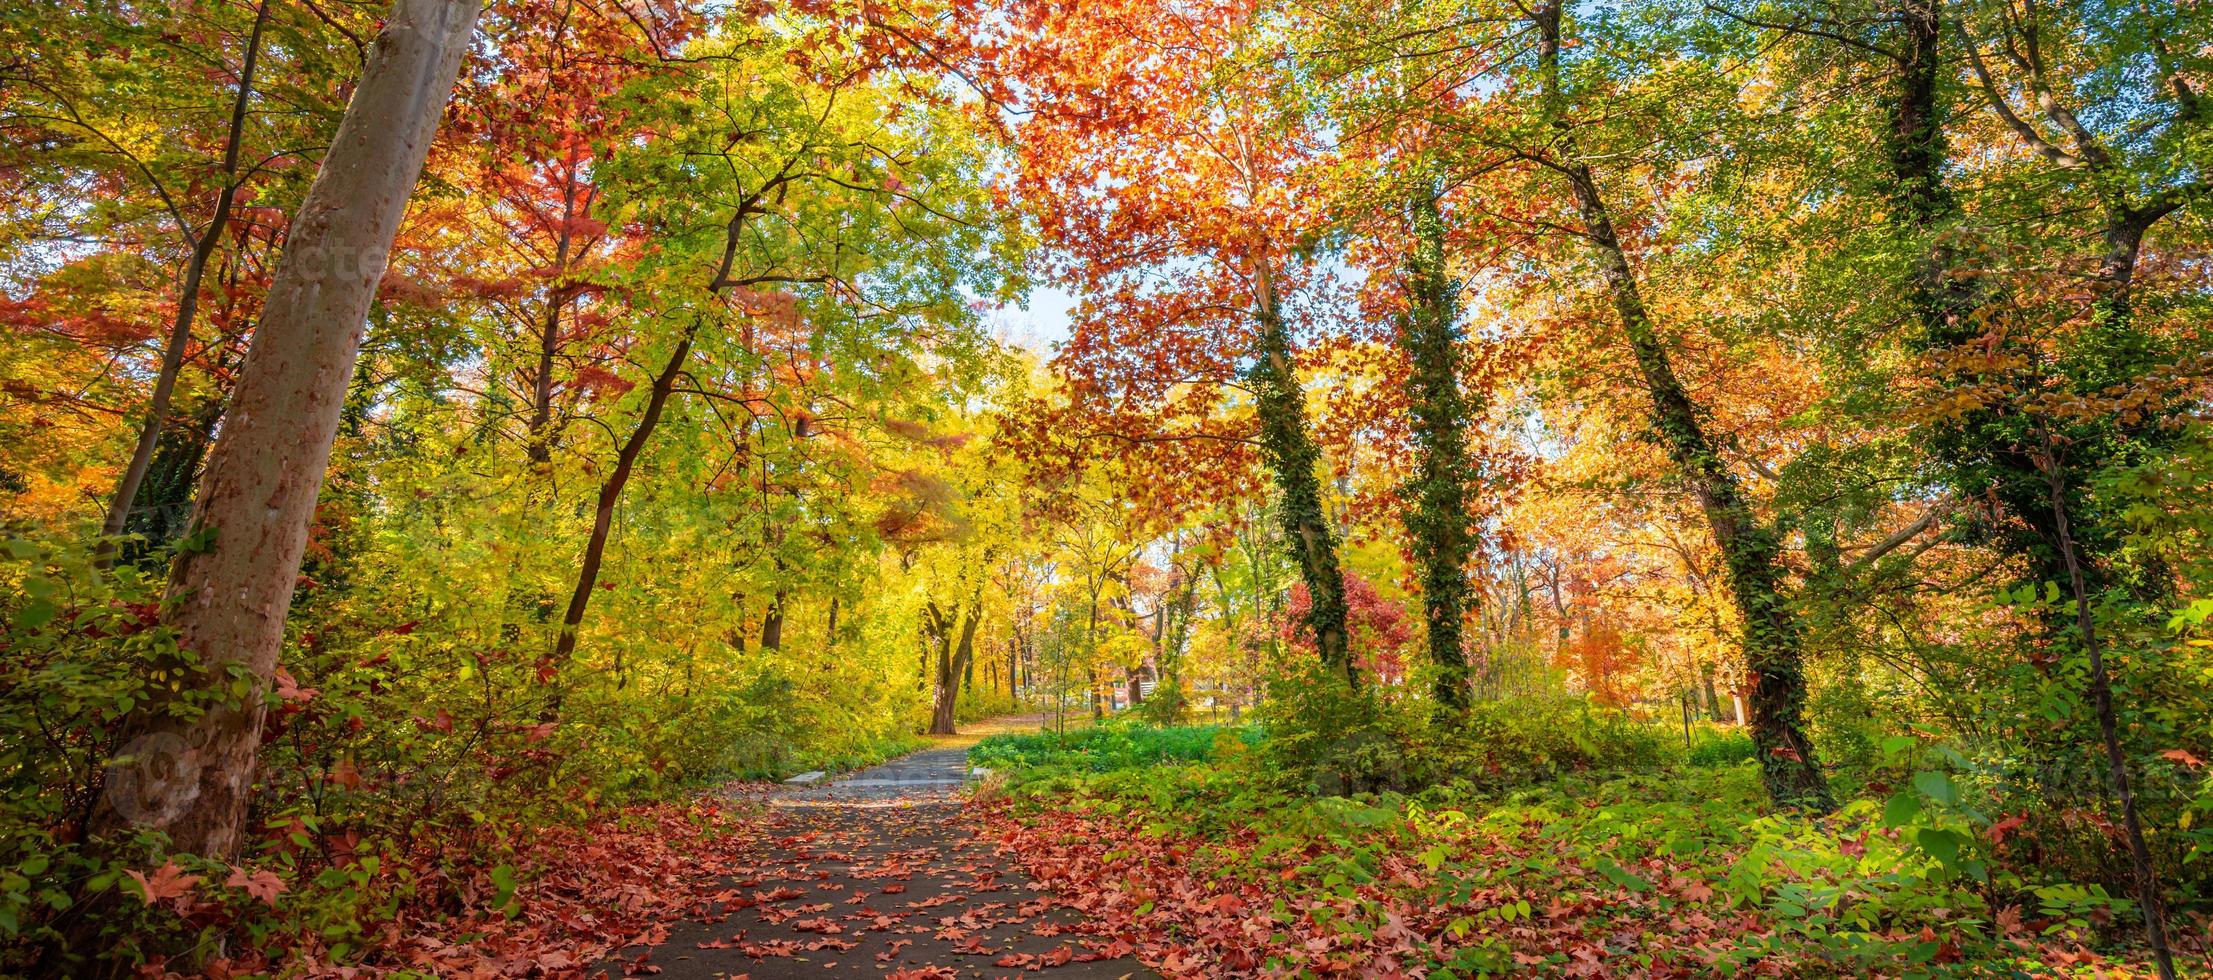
point(876, 874)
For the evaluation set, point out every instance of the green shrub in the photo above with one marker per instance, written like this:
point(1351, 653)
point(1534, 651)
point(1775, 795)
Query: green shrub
point(1328, 738)
point(1105, 748)
point(1711, 746)
point(1167, 706)
point(1503, 744)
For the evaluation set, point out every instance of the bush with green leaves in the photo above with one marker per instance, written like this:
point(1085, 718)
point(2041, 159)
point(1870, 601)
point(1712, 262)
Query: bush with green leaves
point(1501, 744)
point(1106, 747)
point(1712, 745)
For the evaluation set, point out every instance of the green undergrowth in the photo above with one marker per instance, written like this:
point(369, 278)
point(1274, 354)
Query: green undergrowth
point(1901, 886)
point(1104, 748)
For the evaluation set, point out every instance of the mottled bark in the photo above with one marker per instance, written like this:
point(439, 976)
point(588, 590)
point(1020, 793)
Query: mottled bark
point(188, 763)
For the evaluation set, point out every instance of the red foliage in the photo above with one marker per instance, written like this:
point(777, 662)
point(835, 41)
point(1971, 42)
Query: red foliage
point(1382, 632)
point(585, 893)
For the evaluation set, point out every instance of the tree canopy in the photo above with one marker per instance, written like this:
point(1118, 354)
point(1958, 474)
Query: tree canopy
point(423, 424)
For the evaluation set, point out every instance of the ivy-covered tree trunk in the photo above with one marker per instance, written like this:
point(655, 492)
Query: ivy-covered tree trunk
point(1280, 403)
point(1981, 449)
point(1437, 517)
point(1998, 452)
point(1749, 549)
point(188, 763)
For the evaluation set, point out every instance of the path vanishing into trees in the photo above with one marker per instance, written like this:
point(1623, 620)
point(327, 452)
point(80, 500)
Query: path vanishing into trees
point(876, 874)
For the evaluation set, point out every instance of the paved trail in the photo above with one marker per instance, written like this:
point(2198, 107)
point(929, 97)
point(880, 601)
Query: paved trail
point(874, 875)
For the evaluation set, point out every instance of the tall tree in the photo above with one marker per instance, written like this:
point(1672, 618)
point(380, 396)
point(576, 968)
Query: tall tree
point(1159, 142)
point(188, 291)
point(189, 769)
point(807, 153)
point(1750, 548)
point(1437, 519)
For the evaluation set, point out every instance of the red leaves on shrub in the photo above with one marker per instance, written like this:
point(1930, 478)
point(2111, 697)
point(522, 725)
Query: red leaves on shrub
point(1999, 830)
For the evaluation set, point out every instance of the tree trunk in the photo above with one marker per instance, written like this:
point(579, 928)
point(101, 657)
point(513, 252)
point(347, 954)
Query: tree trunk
point(1749, 549)
point(1437, 517)
point(540, 448)
point(953, 657)
point(1280, 403)
point(162, 512)
point(188, 294)
point(610, 492)
point(772, 623)
point(942, 693)
point(189, 773)
point(1984, 451)
point(2148, 892)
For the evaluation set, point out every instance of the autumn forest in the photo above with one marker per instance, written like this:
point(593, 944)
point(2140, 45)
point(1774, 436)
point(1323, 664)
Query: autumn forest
point(1106, 488)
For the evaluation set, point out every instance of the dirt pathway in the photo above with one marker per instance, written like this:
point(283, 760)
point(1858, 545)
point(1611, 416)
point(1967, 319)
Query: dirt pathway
point(875, 875)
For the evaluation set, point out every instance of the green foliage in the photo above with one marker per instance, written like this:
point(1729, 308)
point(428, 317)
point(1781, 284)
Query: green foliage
point(1108, 747)
point(1665, 848)
point(81, 649)
point(979, 705)
point(1717, 746)
point(1500, 744)
point(1327, 737)
point(1168, 705)
point(399, 761)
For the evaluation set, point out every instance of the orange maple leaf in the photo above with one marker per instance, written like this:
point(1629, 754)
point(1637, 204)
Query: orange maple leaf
point(264, 885)
point(168, 881)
